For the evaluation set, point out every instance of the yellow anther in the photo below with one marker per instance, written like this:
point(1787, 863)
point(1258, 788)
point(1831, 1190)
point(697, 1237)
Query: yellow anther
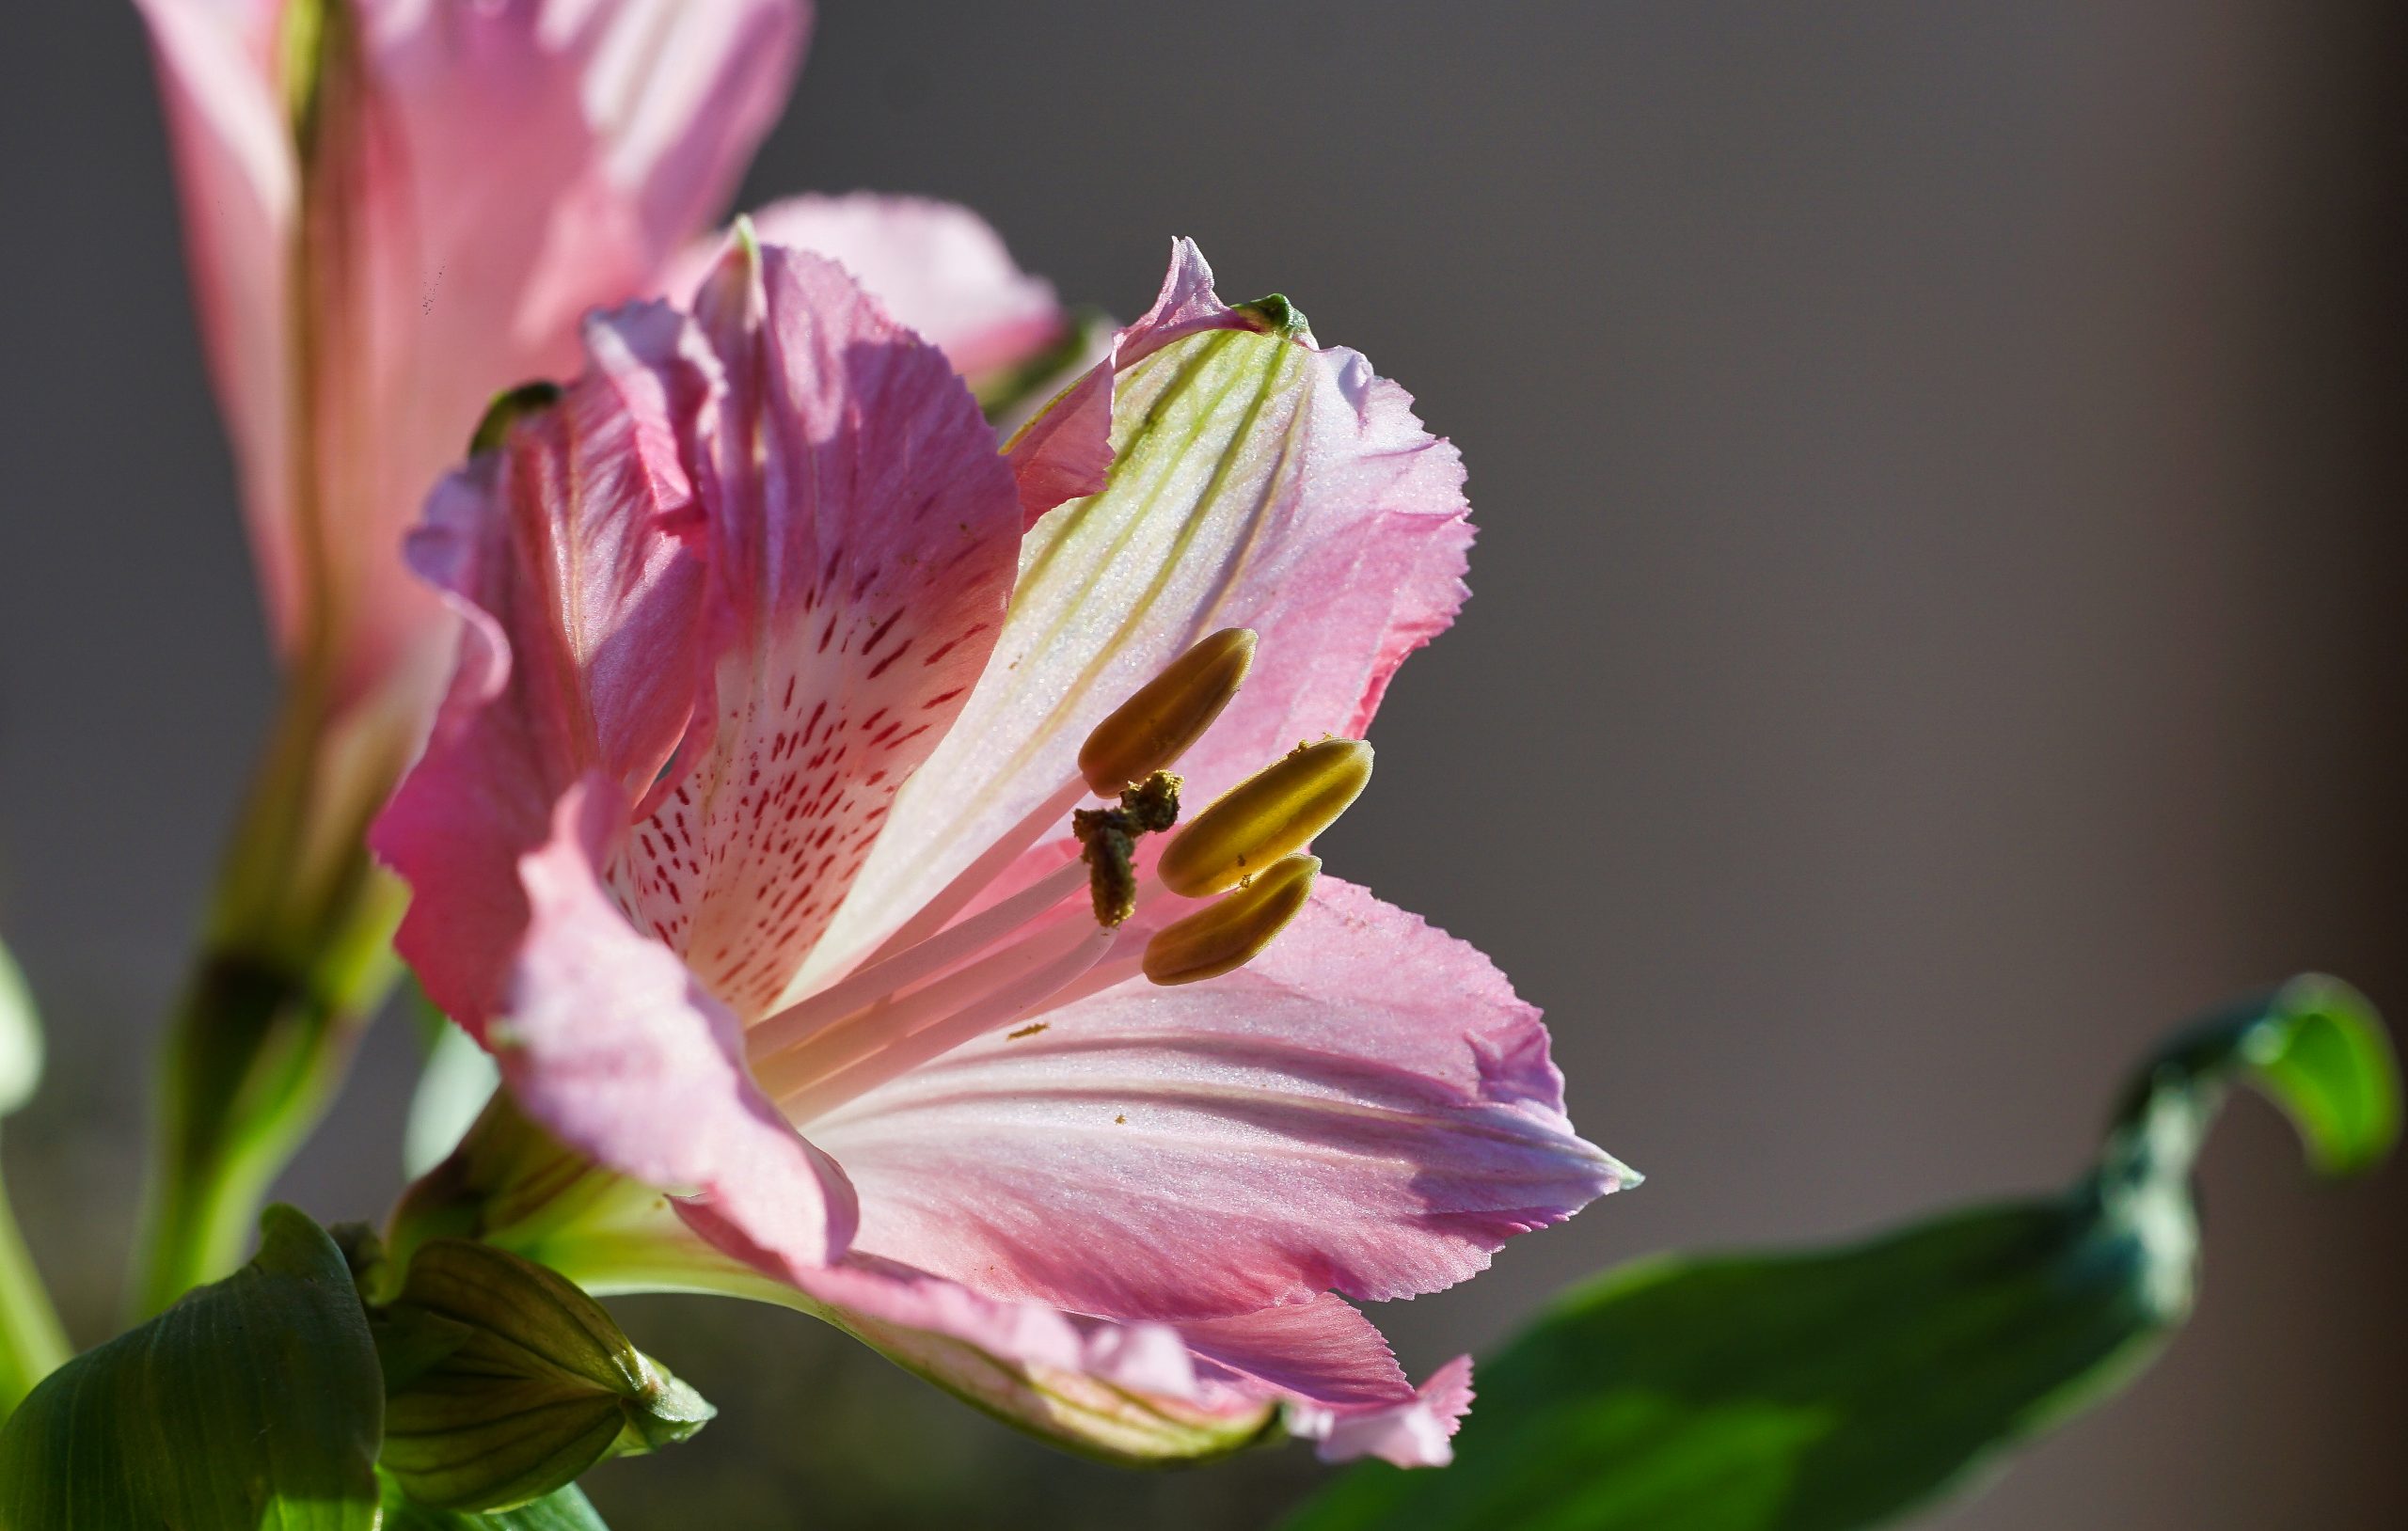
point(1153, 729)
point(1226, 935)
point(1274, 811)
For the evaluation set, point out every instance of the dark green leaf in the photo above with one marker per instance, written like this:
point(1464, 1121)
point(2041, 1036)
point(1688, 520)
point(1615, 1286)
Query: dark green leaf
point(565, 1511)
point(1838, 1389)
point(505, 1382)
point(251, 1405)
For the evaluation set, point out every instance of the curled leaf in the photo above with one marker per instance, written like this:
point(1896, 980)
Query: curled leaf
point(1829, 1389)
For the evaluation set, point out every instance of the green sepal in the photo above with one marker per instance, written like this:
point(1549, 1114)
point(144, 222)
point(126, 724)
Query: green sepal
point(1832, 1389)
point(504, 1383)
point(507, 409)
point(1277, 316)
point(1005, 393)
point(564, 1509)
point(253, 1404)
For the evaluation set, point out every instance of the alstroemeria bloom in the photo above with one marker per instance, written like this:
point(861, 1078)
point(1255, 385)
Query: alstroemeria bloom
point(395, 209)
point(745, 843)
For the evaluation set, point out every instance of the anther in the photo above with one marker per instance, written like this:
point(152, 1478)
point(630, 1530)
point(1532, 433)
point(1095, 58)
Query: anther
point(1231, 933)
point(1272, 813)
point(1153, 728)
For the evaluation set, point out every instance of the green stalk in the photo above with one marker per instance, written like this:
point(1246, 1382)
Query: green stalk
point(296, 960)
point(33, 1343)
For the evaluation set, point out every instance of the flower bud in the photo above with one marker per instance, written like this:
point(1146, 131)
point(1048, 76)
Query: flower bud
point(1274, 811)
point(503, 1382)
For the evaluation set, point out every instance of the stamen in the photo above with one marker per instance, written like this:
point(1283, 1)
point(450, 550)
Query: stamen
point(1231, 933)
point(1275, 812)
point(798, 1023)
point(928, 989)
point(1041, 967)
point(1143, 736)
point(974, 879)
point(874, 1026)
point(1154, 727)
point(1115, 968)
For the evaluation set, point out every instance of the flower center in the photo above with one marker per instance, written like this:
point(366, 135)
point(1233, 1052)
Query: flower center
point(946, 978)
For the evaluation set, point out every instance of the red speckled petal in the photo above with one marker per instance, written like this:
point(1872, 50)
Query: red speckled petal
point(860, 564)
point(572, 556)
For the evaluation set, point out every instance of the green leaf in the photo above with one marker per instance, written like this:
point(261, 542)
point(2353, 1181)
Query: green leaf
point(252, 1405)
point(20, 1037)
point(562, 1510)
point(504, 1383)
point(2316, 1049)
point(1826, 1390)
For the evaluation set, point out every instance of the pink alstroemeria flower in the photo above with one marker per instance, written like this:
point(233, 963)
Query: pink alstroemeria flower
point(744, 841)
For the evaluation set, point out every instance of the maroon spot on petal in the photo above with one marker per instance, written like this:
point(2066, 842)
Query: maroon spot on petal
point(879, 634)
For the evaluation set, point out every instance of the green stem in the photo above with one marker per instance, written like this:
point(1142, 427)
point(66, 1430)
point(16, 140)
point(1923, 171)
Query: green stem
point(33, 1343)
point(298, 958)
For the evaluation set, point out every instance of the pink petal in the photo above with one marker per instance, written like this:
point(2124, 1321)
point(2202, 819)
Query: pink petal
point(1366, 1109)
point(1138, 1393)
point(239, 187)
point(1339, 1381)
point(1288, 491)
point(606, 1039)
point(935, 266)
point(1066, 450)
point(1416, 1434)
point(1128, 1392)
point(860, 567)
point(571, 556)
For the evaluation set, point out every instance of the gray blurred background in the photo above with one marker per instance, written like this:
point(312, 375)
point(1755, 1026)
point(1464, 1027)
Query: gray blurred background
point(1939, 468)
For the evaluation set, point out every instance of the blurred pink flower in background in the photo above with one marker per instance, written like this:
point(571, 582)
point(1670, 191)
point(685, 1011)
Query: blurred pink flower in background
point(744, 843)
point(396, 207)
point(384, 239)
